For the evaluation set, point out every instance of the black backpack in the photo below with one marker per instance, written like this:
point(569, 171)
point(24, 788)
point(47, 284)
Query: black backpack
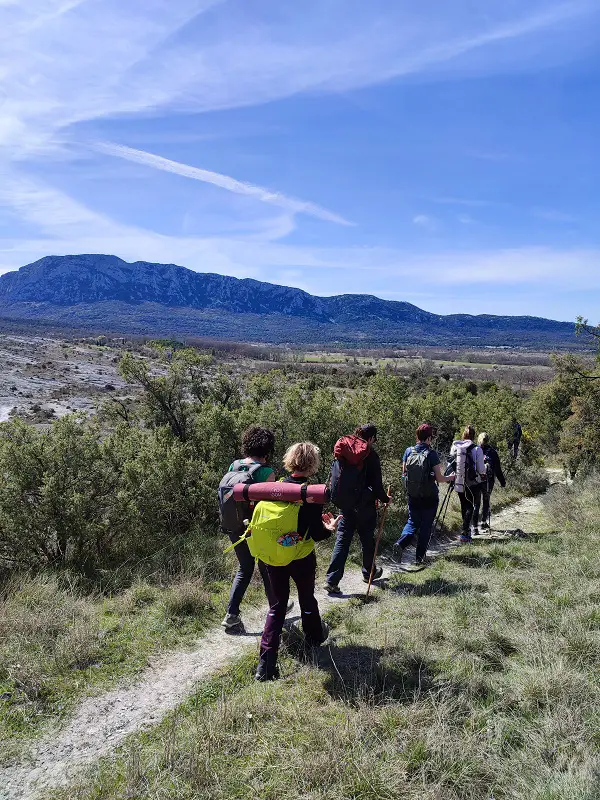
point(347, 483)
point(232, 514)
point(470, 466)
point(419, 483)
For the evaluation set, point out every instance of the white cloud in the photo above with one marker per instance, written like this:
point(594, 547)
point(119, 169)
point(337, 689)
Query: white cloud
point(290, 204)
point(552, 215)
point(425, 222)
point(69, 227)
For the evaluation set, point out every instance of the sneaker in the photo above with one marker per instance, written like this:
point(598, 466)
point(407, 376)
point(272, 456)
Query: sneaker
point(465, 539)
point(377, 573)
point(485, 526)
point(289, 606)
point(474, 531)
point(265, 673)
point(231, 621)
point(332, 588)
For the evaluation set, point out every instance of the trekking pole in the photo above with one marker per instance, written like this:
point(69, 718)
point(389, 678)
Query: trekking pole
point(379, 532)
point(443, 509)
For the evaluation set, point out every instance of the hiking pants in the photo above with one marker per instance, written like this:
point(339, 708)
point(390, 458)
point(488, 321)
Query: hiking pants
point(420, 522)
point(364, 522)
point(486, 494)
point(303, 572)
point(470, 502)
point(244, 575)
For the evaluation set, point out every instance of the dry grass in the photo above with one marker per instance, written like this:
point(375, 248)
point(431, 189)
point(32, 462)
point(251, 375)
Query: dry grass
point(57, 643)
point(476, 679)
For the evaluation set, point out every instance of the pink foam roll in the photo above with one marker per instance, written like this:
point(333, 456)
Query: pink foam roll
point(283, 492)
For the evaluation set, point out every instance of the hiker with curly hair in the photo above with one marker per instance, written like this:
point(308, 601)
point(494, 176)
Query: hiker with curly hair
point(283, 535)
point(258, 445)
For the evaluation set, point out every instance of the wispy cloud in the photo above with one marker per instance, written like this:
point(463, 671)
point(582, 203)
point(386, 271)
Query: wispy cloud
point(425, 222)
point(222, 181)
point(461, 201)
point(553, 215)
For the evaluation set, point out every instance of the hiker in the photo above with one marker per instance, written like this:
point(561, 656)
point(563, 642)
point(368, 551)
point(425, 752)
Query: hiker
point(356, 486)
point(422, 472)
point(493, 469)
point(470, 477)
point(515, 442)
point(258, 445)
point(283, 535)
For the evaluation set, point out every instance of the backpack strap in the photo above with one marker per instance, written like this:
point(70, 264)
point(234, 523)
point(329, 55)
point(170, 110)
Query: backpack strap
point(242, 538)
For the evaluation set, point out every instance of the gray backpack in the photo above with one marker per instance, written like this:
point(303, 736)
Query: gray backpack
point(232, 514)
point(419, 483)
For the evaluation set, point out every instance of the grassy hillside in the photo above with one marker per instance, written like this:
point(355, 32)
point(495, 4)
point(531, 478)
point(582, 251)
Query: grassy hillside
point(475, 679)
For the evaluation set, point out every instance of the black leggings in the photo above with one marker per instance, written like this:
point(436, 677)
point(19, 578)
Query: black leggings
point(244, 575)
point(470, 501)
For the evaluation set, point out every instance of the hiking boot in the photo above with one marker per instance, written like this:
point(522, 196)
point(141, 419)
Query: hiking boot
point(377, 573)
point(474, 531)
point(332, 588)
point(422, 562)
point(264, 672)
point(485, 526)
point(232, 621)
point(397, 551)
point(325, 628)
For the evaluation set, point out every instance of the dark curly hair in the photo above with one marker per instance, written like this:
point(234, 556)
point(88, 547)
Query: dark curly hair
point(258, 442)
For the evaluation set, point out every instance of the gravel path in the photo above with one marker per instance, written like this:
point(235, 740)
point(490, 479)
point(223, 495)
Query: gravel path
point(102, 723)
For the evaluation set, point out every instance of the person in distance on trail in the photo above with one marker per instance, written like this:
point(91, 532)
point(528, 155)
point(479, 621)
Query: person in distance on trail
point(356, 486)
point(284, 534)
point(422, 472)
point(469, 467)
point(493, 469)
point(258, 445)
point(515, 442)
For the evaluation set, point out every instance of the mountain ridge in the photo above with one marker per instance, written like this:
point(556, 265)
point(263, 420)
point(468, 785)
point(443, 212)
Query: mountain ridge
point(167, 298)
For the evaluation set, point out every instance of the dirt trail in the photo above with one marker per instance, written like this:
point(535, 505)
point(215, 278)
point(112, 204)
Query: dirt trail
point(102, 723)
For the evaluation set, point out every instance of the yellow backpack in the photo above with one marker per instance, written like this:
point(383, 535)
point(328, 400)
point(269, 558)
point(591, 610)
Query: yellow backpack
point(273, 536)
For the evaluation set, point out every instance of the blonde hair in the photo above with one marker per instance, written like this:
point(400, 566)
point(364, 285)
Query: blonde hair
point(302, 457)
point(483, 438)
point(469, 432)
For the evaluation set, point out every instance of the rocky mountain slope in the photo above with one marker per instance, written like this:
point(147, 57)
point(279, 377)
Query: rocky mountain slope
point(105, 293)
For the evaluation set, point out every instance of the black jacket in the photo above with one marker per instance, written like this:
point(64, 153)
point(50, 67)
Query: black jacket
point(494, 461)
point(310, 522)
point(373, 480)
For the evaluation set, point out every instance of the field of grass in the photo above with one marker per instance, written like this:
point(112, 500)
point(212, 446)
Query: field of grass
point(58, 642)
point(477, 679)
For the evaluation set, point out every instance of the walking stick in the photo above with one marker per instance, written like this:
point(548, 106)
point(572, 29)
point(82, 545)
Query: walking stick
point(437, 525)
point(379, 532)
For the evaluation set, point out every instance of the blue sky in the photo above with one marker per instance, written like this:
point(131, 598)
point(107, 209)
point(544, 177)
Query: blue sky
point(443, 152)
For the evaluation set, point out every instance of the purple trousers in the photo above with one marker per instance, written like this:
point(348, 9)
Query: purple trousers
point(303, 573)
